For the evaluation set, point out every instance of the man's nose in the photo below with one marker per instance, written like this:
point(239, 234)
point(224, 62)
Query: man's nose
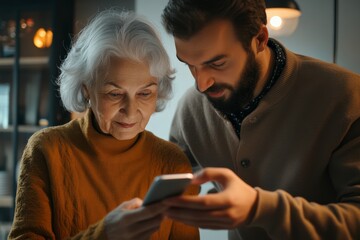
point(204, 79)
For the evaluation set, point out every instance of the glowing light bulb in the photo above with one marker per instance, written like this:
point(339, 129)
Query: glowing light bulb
point(276, 22)
point(42, 32)
point(43, 38)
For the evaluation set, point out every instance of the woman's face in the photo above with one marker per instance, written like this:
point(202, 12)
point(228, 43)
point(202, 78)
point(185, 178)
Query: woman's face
point(124, 100)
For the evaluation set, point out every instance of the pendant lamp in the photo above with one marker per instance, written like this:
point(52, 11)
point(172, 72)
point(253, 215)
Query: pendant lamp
point(282, 17)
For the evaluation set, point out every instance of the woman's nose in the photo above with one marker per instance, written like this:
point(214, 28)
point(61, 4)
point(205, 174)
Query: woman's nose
point(130, 107)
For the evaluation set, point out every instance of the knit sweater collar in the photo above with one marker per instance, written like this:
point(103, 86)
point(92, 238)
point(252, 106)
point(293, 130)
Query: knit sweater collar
point(103, 143)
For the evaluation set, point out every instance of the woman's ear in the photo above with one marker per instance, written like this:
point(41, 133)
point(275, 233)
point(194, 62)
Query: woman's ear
point(262, 39)
point(85, 92)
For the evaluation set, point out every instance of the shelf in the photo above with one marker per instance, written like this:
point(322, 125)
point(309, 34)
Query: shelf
point(25, 62)
point(6, 201)
point(30, 73)
point(22, 129)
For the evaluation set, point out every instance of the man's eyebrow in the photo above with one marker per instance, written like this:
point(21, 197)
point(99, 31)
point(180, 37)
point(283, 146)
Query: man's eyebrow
point(214, 59)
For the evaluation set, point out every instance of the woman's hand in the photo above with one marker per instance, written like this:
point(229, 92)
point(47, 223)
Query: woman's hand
point(132, 221)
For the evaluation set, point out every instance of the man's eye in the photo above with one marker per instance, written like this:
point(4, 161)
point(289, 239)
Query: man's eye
point(217, 64)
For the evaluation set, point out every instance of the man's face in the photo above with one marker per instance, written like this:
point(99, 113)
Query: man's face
point(223, 70)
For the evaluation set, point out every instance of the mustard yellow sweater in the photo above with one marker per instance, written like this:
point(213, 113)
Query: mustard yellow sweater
point(72, 176)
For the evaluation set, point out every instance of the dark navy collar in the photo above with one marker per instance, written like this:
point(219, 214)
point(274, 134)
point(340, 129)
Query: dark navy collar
point(279, 64)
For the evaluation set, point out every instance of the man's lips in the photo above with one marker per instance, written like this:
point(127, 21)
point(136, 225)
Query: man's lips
point(215, 94)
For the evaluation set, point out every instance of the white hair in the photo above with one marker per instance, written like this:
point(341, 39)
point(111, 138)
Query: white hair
point(112, 33)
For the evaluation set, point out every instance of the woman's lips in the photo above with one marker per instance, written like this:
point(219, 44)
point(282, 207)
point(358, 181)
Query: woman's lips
point(126, 125)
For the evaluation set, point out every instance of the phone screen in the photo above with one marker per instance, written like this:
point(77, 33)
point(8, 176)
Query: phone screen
point(165, 186)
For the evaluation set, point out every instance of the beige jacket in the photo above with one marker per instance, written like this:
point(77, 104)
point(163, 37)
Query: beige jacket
point(300, 148)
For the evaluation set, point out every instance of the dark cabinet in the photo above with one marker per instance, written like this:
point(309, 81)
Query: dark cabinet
point(34, 37)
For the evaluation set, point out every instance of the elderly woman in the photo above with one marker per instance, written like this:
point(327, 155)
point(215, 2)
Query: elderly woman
point(86, 179)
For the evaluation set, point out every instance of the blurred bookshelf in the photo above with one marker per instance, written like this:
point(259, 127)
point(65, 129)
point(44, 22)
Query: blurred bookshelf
point(6, 201)
point(32, 62)
point(34, 38)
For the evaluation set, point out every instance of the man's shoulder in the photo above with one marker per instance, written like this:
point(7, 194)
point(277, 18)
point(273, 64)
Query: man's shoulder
point(335, 84)
point(191, 94)
point(192, 100)
point(319, 68)
point(330, 77)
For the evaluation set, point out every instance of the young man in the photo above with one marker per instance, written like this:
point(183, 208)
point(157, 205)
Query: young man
point(278, 132)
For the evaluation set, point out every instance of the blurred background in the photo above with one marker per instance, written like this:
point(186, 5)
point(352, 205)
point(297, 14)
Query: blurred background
point(35, 35)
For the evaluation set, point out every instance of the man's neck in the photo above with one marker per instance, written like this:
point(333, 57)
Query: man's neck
point(266, 61)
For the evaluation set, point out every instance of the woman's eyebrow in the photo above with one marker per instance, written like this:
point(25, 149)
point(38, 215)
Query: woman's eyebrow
point(112, 84)
point(145, 86)
point(149, 84)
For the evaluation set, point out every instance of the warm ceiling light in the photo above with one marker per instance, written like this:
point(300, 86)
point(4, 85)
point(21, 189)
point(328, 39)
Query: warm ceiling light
point(276, 22)
point(282, 16)
point(43, 38)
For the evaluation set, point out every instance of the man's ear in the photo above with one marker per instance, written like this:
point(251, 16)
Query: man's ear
point(262, 39)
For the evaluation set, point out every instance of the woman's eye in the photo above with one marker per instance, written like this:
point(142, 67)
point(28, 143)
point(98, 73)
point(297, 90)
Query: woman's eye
point(144, 94)
point(115, 95)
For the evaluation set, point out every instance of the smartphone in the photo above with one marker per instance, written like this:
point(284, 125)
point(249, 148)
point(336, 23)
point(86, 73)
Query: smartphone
point(167, 185)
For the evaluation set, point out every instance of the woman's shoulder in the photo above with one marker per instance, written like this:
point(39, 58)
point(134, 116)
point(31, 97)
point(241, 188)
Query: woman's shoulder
point(167, 151)
point(161, 143)
point(53, 134)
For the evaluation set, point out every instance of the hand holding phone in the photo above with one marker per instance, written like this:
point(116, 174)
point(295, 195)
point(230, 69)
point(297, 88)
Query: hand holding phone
point(167, 185)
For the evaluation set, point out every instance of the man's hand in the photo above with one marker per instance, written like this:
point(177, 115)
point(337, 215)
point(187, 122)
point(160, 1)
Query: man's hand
point(224, 210)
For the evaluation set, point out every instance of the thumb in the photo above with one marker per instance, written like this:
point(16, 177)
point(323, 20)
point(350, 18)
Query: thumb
point(220, 175)
point(131, 204)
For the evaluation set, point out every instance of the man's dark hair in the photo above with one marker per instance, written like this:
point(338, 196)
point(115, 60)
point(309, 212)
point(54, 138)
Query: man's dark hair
point(184, 18)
